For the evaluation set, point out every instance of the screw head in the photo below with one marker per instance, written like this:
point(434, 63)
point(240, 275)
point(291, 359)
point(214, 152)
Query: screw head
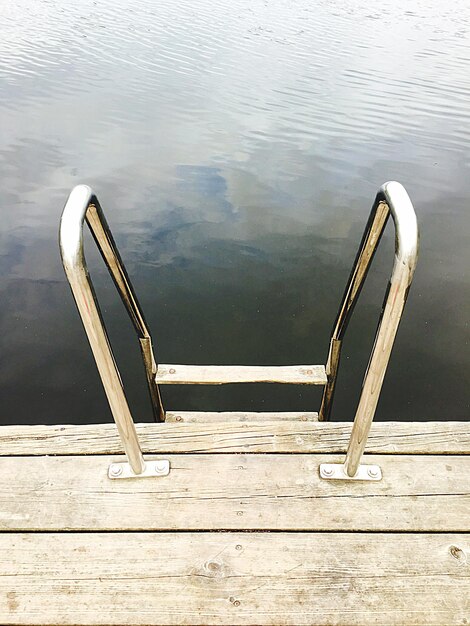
point(160, 467)
point(373, 472)
point(115, 470)
point(327, 470)
point(172, 370)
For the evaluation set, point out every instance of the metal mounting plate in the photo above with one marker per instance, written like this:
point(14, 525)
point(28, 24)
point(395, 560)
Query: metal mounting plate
point(337, 471)
point(160, 467)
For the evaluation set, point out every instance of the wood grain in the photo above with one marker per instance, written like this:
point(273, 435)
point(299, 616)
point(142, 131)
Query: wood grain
point(235, 578)
point(276, 436)
point(223, 374)
point(235, 491)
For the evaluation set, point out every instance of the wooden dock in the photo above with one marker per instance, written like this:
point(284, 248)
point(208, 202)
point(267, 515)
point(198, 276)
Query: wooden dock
point(242, 530)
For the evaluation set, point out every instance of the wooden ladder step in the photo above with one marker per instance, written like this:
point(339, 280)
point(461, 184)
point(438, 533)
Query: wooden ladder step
point(211, 417)
point(222, 374)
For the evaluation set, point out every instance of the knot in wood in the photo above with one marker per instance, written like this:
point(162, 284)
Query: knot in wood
point(214, 569)
point(458, 553)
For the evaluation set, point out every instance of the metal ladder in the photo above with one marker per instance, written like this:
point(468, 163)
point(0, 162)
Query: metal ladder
point(392, 199)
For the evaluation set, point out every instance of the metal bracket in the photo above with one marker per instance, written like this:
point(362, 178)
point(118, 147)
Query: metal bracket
point(337, 471)
point(161, 467)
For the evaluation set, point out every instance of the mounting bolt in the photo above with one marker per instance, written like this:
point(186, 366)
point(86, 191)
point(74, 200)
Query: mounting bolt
point(172, 370)
point(373, 472)
point(160, 467)
point(327, 470)
point(115, 470)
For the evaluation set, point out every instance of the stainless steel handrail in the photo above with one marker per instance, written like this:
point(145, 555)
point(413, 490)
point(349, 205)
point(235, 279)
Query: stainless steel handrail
point(83, 205)
point(393, 200)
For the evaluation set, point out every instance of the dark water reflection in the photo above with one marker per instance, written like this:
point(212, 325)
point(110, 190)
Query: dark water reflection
point(236, 150)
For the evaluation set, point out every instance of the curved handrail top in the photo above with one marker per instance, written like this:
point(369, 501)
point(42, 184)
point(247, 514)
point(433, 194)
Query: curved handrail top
point(406, 224)
point(71, 226)
point(392, 192)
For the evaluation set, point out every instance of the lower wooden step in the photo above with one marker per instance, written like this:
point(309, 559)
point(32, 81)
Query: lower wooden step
point(234, 578)
point(226, 417)
point(223, 374)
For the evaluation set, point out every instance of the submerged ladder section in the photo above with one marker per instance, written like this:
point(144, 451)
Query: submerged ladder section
point(392, 199)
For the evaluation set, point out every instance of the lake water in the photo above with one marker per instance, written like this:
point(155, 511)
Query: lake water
point(236, 149)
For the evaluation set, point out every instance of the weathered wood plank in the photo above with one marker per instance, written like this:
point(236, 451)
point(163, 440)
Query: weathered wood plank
point(278, 436)
point(223, 374)
point(232, 491)
point(209, 417)
point(234, 578)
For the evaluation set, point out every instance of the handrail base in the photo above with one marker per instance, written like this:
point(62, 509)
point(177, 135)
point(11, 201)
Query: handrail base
point(337, 471)
point(154, 468)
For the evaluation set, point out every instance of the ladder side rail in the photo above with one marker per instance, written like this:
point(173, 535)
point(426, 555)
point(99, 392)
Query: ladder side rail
point(104, 240)
point(370, 240)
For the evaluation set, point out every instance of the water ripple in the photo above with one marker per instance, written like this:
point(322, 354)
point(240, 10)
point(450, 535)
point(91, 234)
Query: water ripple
point(303, 68)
